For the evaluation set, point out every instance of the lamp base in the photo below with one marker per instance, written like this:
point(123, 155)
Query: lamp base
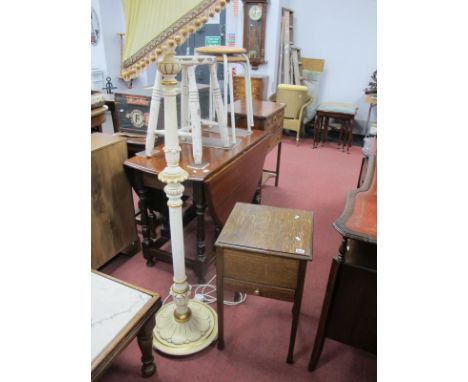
point(189, 337)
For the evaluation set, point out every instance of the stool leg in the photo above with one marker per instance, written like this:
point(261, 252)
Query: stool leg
point(325, 133)
point(316, 130)
point(341, 136)
point(184, 99)
point(345, 135)
point(225, 83)
point(350, 132)
point(210, 115)
point(219, 106)
point(154, 115)
point(248, 93)
point(231, 100)
point(195, 122)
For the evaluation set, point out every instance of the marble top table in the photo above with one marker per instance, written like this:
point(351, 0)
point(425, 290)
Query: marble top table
point(119, 313)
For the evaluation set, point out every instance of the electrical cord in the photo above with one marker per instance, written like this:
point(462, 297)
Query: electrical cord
point(203, 292)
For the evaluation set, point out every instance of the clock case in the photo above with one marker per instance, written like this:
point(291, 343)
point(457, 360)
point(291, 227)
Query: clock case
point(255, 62)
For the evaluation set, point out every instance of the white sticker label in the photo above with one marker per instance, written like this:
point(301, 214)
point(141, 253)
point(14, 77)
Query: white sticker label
point(300, 251)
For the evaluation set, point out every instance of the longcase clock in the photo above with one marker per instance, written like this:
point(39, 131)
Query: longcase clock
point(254, 30)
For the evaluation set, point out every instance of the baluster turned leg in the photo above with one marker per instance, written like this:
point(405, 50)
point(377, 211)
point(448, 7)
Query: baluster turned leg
point(136, 180)
point(219, 106)
point(145, 342)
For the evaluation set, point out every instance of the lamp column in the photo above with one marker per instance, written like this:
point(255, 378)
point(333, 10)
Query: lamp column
point(182, 327)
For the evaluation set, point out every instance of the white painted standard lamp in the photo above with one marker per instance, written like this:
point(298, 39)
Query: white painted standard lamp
point(153, 30)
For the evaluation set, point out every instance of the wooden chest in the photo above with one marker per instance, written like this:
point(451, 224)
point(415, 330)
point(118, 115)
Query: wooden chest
point(133, 108)
point(259, 85)
point(113, 227)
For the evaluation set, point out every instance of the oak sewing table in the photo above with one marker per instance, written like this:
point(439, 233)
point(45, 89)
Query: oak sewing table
point(119, 313)
point(268, 116)
point(231, 176)
point(349, 311)
point(264, 251)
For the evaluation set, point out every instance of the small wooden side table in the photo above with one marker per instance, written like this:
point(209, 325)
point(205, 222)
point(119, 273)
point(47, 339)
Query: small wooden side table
point(264, 251)
point(336, 110)
point(119, 313)
point(268, 116)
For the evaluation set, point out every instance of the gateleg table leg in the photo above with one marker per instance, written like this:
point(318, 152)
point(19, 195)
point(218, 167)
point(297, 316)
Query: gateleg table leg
point(278, 161)
point(200, 206)
point(220, 297)
point(137, 182)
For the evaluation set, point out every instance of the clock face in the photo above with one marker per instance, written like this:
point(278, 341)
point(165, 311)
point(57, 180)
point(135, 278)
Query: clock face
point(255, 12)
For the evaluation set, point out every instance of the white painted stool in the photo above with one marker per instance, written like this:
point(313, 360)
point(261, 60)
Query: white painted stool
point(190, 108)
point(229, 55)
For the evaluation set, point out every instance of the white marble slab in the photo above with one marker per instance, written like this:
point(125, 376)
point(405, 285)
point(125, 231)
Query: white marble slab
point(113, 305)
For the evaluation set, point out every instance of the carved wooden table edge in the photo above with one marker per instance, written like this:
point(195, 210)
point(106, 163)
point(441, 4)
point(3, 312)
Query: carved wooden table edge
point(141, 326)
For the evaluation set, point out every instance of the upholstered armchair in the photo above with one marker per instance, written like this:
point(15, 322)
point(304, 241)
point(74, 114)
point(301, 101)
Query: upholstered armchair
point(296, 98)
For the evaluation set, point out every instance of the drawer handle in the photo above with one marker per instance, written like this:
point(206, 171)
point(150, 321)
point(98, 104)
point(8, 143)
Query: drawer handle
point(257, 292)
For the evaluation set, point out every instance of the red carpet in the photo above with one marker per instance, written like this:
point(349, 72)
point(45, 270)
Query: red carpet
point(257, 331)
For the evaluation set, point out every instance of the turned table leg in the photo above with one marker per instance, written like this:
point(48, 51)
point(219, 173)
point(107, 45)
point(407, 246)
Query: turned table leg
point(220, 297)
point(136, 180)
point(278, 161)
point(145, 342)
point(200, 206)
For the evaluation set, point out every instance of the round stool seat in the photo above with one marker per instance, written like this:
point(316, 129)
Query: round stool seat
point(220, 50)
